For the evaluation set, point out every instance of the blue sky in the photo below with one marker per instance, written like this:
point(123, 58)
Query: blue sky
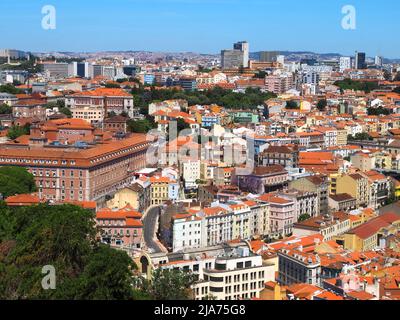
point(205, 26)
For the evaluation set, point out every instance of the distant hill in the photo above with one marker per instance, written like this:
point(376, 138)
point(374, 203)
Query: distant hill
point(299, 55)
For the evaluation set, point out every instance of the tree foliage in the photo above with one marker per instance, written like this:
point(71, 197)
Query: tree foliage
point(5, 109)
point(378, 111)
point(141, 126)
point(304, 217)
point(171, 285)
point(321, 105)
point(250, 99)
point(291, 104)
point(16, 180)
point(9, 88)
point(348, 84)
point(16, 131)
point(182, 125)
point(359, 137)
point(64, 237)
point(112, 85)
point(60, 104)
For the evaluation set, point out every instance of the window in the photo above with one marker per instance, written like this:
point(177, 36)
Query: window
point(217, 279)
point(215, 289)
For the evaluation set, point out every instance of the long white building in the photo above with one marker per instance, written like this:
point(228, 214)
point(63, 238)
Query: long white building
point(224, 273)
point(220, 223)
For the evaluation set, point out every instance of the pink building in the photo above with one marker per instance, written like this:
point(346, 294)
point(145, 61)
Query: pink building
point(279, 83)
point(120, 227)
point(282, 214)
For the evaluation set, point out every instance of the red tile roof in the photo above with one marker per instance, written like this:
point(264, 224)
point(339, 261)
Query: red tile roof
point(23, 200)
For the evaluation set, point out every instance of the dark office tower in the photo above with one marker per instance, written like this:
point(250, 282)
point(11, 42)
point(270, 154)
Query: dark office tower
point(243, 46)
point(82, 69)
point(269, 56)
point(130, 70)
point(231, 59)
point(360, 61)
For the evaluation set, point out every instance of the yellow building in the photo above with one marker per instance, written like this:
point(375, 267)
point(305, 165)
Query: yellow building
point(207, 171)
point(273, 291)
point(396, 187)
point(159, 190)
point(383, 160)
point(365, 215)
point(366, 236)
point(240, 223)
point(370, 127)
point(333, 182)
point(363, 161)
point(355, 185)
point(341, 137)
point(124, 197)
point(136, 195)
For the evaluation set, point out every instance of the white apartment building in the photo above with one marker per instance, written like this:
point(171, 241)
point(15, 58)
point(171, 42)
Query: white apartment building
point(186, 232)
point(235, 277)
point(330, 136)
point(296, 266)
point(329, 226)
point(344, 63)
point(220, 224)
point(190, 172)
point(259, 218)
point(305, 202)
point(232, 274)
point(353, 129)
point(217, 226)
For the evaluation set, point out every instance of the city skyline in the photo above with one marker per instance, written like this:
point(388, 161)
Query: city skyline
point(175, 150)
point(169, 28)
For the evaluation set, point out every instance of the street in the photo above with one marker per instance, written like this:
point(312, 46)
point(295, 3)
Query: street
point(150, 222)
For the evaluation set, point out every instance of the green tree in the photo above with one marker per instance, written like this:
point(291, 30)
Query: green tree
point(171, 285)
point(141, 126)
point(348, 84)
point(64, 237)
point(362, 136)
point(9, 88)
point(291, 104)
point(107, 275)
point(304, 217)
point(16, 180)
point(112, 85)
point(182, 125)
point(5, 109)
point(378, 111)
point(226, 98)
point(16, 131)
point(321, 105)
point(387, 75)
point(260, 74)
point(66, 111)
